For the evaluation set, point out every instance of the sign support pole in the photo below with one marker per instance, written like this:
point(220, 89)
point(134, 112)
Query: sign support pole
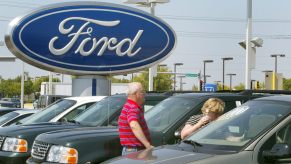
point(91, 85)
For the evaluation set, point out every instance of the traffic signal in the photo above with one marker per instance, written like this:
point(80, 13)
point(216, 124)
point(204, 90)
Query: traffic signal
point(201, 85)
point(257, 85)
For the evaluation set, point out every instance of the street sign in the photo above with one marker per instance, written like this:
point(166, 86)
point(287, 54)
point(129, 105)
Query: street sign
point(191, 75)
point(210, 87)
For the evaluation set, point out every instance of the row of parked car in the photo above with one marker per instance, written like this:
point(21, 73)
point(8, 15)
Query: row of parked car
point(10, 103)
point(84, 130)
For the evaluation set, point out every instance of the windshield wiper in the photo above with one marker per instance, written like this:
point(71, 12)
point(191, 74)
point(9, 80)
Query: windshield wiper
point(18, 123)
point(191, 142)
point(74, 121)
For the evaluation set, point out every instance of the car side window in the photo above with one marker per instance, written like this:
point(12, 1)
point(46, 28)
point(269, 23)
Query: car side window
point(281, 136)
point(229, 105)
point(18, 118)
point(77, 111)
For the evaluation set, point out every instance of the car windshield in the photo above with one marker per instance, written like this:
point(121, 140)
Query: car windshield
point(168, 111)
point(7, 117)
point(45, 115)
point(237, 128)
point(98, 113)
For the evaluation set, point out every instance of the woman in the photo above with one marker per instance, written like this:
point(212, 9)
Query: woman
point(211, 110)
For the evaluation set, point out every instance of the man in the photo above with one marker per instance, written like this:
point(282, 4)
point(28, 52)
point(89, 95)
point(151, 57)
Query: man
point(133, 130)
point(211, 110)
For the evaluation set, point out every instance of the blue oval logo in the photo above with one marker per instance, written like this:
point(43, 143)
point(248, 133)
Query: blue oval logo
point(90, 38)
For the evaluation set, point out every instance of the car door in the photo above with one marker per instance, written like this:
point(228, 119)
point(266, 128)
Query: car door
point(279, 134)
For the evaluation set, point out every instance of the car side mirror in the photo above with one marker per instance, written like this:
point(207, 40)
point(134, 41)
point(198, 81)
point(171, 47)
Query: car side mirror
point(177, 134)
point(114, 123)
point(278, 151)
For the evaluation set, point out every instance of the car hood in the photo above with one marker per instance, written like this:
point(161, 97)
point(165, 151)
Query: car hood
point(67, 135)
point(21, 131)
point(161, 155)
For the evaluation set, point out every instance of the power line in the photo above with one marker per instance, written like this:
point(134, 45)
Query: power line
point(240, 20)
point(17, 6)
point(228, 35)
point(22, 3)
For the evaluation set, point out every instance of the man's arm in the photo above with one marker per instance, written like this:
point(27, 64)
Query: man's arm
point(137, 131)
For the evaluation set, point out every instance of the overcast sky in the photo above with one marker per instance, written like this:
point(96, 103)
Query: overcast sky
point(206, 29)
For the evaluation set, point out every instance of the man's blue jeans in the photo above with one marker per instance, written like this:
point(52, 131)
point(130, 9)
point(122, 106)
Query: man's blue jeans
point(126, 150)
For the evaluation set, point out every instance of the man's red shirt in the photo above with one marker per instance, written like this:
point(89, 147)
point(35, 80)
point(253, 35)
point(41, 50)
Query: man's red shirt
point(131, 112)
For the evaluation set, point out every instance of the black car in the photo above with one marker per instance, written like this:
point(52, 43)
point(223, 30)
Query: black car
point(99, 114)
point(45, 100)
point(259, 131)
point(7, 110)
point(10, 102)
point(7, 104)
point(96, 144)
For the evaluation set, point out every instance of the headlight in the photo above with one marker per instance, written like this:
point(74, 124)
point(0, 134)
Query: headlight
point(62, 154)
point(15, 145)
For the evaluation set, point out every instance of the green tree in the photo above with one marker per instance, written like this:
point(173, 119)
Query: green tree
point(286, 84)
point(241, 86)
point(10, 88)
point(162, 82)
point(143, 78)
point(28, 87)
point(195, 88)
point(116, 80)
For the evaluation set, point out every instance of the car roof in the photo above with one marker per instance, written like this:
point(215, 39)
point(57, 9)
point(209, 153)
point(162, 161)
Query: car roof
point(9, 109)
point(204, 94)
point(286, 98)
point(86, 98)
point(5, 102)
point(25, 111)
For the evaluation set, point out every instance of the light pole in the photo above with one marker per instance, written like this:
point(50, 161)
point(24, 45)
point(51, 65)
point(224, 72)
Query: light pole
point(151, 4)
point(275, 80)
point(175, 65)
point(230, 79)
point(181, 82)
point(223, 61)
point(217, 83)
point(204, 68)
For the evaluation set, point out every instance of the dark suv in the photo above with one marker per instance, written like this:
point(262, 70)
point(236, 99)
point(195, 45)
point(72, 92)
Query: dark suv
point(99, 114)
point(258, 132)
point(96, 144)
point(45, 100)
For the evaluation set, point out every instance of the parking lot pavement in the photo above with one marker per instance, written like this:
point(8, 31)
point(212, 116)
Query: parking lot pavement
point(28, 106)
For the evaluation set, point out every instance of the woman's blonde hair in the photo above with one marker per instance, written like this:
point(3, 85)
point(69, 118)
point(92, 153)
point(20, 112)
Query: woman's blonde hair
point(215, 105)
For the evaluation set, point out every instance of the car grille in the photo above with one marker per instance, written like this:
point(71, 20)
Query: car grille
point(39, 150)
point(1, 140)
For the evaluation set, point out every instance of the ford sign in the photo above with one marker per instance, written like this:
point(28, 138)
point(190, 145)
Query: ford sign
point(90, 38)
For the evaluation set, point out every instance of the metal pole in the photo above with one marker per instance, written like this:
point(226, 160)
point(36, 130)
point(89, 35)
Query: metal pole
point(181, 83)
point(50, 83)
point(223, 74)
point(22, 86)
point(152, 69)
point(230, 80)
point(275, 75)
point(204, 72)
point(174, 88)
point(62, 78)
point(248, 45)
